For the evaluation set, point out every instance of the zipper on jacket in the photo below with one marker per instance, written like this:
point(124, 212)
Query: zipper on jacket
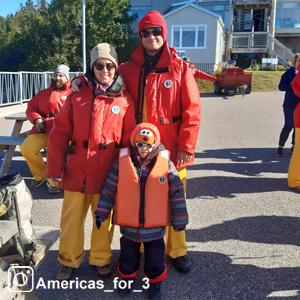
point(83, 187)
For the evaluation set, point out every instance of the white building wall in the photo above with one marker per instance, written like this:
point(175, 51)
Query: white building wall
point(192, 16)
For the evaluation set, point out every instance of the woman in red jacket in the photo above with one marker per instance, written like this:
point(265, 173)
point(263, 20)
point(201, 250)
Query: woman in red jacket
point(294, 168)
point(83, 145)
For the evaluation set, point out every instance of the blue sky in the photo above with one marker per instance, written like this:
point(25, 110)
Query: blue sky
point(11, 6)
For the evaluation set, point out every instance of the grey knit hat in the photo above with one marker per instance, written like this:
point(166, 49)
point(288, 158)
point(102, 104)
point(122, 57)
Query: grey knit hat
point(63, 69)
point(104, 50)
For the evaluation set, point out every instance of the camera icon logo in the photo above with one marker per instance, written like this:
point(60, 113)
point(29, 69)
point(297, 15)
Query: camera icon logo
point(19, 277)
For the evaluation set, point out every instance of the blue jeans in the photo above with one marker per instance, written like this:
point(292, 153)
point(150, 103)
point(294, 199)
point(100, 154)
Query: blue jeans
point(288, 126)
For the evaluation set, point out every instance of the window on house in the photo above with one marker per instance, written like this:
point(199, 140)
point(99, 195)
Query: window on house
point(278, 18)
point(222, 10)
point(140, 11)
point(189, 36)
point(287, 15)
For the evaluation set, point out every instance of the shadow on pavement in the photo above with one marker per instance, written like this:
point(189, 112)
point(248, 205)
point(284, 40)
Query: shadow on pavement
point(213, 276)
point(258, 229)
point(228, 187)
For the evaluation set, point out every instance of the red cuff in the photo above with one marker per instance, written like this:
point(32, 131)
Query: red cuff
point(160, 278)
point(128, 276)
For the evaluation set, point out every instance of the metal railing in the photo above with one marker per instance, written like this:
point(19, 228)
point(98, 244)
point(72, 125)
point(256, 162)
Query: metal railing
point(260, 42)
point(206, 67)
point(20, 87)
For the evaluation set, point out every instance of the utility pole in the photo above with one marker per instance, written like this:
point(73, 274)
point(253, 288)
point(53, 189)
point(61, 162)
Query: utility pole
point(83, 38)
point(228, 53)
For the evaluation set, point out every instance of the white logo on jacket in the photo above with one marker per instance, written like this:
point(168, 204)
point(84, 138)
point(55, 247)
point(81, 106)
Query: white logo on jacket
point(162, 179)
point(168, 83)
point(115, 109)
point(64, 97)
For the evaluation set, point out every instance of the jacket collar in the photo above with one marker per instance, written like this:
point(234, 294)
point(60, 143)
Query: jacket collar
point(117, 86)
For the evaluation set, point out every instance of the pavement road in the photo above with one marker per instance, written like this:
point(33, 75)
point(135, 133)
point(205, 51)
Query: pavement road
point(244, 221)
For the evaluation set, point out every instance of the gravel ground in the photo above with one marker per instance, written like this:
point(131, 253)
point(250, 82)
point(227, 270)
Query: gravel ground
point(244, 228)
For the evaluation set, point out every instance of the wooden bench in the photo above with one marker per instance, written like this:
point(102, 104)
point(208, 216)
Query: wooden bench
point(46, 237)
point(9, 143)
point(11, 140)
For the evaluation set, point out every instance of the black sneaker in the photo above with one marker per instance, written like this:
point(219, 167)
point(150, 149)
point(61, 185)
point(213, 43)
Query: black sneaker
point(125, 291)
point(182, 264)
point(36, 183)
point(154, 291)
point(292, 149)
point(53, 190)
point(279, 152)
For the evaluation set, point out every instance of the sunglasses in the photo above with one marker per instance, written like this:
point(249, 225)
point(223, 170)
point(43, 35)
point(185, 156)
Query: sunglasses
point(146, 33)
point(100, 66)
point(140, 145)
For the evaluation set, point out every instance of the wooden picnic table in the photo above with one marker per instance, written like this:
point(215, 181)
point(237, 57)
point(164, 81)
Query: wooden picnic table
point(9, 143)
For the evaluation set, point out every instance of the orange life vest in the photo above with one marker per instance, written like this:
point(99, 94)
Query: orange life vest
point(127, 204)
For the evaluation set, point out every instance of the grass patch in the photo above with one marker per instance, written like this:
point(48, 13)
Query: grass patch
point(262, 81)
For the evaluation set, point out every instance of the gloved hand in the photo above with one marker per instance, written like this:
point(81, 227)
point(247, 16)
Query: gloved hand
point(181, 228)
point(98, 223)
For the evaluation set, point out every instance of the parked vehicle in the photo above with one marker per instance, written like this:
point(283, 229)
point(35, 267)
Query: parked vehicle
point(233, 81)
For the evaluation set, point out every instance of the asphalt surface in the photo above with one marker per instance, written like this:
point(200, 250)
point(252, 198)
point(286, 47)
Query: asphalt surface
point(244, 225)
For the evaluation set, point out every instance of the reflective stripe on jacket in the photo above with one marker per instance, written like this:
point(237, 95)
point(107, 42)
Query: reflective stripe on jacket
point(127, 204)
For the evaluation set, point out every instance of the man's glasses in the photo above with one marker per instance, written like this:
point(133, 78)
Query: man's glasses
point(146, 33)
point(140, 145)
point(100, 66)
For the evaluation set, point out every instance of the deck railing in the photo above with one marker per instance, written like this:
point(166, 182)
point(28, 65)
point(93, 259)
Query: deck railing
point(260, 42)
point(20, 87)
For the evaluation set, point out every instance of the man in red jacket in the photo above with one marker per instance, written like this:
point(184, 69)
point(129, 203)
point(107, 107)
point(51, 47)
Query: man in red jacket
point(41, 110)
point(167, 96)
point(198, 73)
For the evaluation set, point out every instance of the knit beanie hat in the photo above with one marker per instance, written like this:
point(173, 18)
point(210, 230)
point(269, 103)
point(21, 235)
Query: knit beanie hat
point(63, 69)
point(104, 50)
point(146, 133)
point(154, 19)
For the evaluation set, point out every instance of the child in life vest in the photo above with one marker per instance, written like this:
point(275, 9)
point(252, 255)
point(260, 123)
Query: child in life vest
point(147, 194)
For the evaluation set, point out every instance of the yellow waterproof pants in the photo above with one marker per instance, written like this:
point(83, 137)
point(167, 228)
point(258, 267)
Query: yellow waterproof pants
point(71, 247)
point(30, 150)
point(294, 168)
point(176, 241)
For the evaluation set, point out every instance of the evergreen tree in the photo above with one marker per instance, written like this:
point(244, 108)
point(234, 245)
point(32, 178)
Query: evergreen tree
point(40, 36)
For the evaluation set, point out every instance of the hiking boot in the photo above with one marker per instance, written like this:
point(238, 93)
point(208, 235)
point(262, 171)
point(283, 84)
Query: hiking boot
point(182, 264)
point(297, 189)
point(104, 272)
point(292, 149)
point(154, 291)
point(64, 272)
point(279, 152)
point(127, 289)
point(52, 189)
point(36, 183)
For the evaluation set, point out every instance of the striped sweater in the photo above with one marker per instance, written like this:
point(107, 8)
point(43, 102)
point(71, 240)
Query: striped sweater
point(176, 197)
